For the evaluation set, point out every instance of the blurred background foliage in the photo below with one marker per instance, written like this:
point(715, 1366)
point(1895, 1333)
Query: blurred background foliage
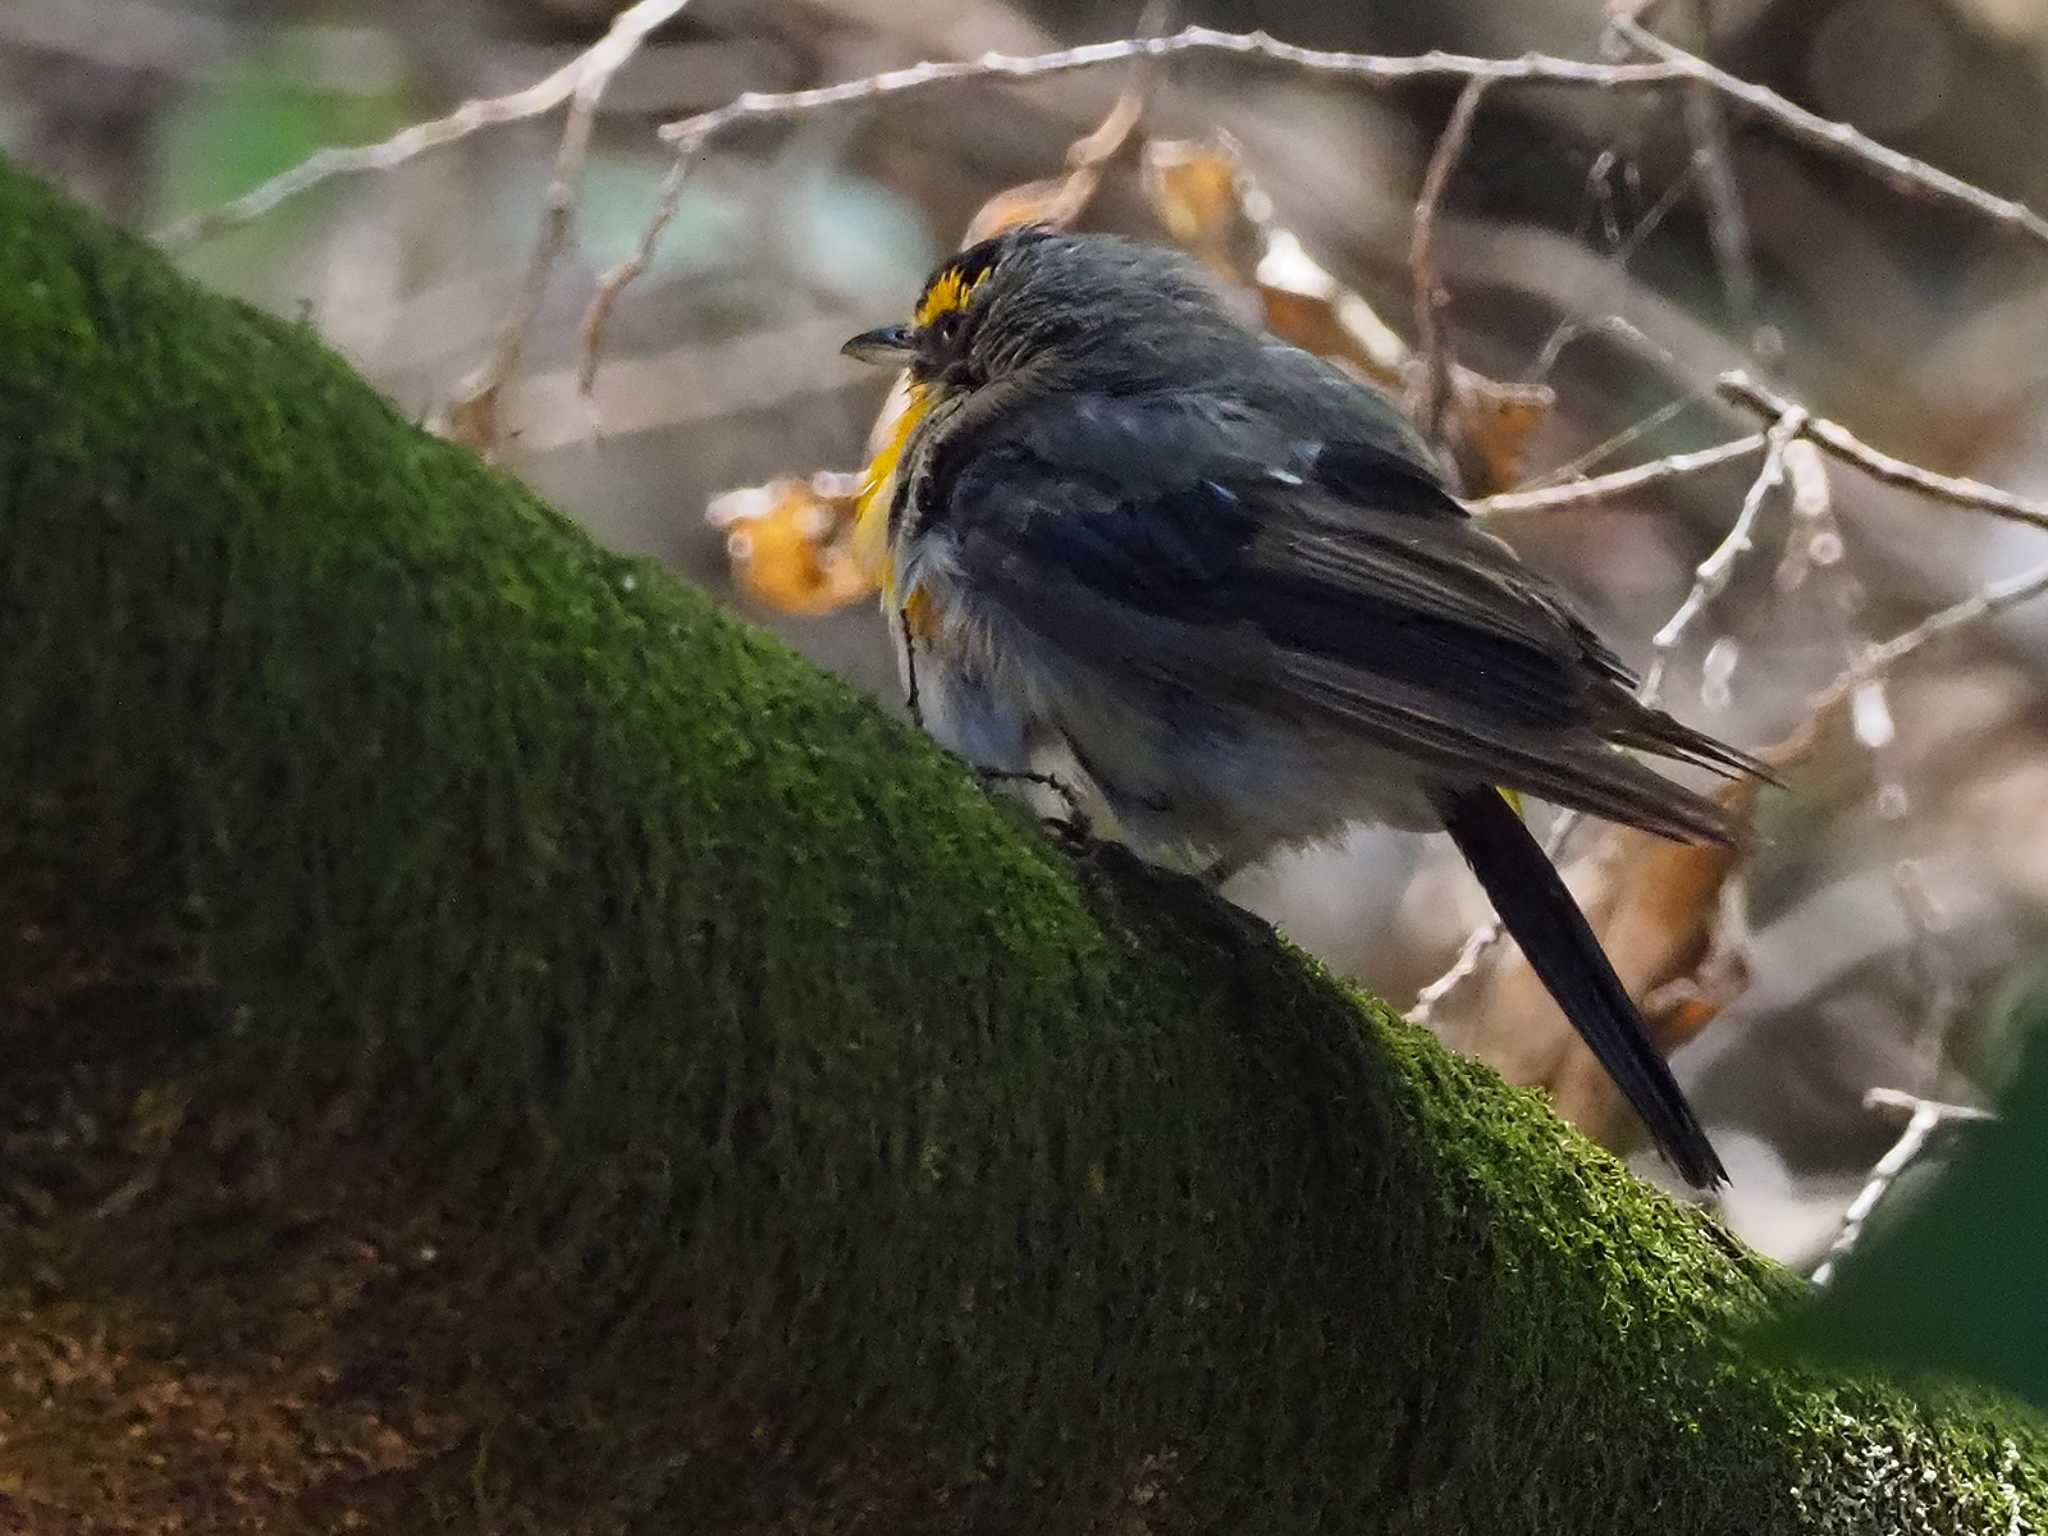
point(1923, 328)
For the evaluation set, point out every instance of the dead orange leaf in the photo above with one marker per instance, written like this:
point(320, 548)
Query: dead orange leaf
point(1492, 424)
point(788, 542)
point(1194, 189)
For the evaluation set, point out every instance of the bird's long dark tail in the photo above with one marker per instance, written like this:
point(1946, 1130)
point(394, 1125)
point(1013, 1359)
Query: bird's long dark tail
point(1537, 910)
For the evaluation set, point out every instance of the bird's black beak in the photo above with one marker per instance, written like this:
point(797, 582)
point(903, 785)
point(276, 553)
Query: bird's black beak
point(889, 344)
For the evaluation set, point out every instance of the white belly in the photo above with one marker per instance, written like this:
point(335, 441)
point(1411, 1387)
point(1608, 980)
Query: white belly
point(1186, 796)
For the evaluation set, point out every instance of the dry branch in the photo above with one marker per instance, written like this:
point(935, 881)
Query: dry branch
point(1926, 1119)
point(583, 80)
point(1712, 161)
point(1711, 578)
point(473, 412)
point(1839, 440)
point(1620, 483)
point(1432, 340)
point(1480, 942)
point(600, 61)
point(1992, 598)
point(1709, 581)
point(1378, 69)
point(597, 315)
point(1900, 171)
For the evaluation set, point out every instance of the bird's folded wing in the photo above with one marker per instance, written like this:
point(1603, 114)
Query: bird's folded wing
point(1203, 557)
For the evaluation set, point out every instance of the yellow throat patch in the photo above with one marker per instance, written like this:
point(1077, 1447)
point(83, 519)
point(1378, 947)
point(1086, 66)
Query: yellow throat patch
point(871, 502)
point(950, 290)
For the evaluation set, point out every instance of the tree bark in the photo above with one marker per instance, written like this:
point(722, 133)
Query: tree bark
point(492, 1042)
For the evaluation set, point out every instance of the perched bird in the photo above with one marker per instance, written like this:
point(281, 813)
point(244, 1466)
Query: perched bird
point(1216, 587)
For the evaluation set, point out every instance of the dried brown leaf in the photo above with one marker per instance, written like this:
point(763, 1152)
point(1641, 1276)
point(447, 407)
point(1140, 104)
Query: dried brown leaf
point(472, 418)
point(1196, 193)
point(1491, 426)
point(1060, 200)
point(1211, 206)
point(1316, 324)
point(1057, 201)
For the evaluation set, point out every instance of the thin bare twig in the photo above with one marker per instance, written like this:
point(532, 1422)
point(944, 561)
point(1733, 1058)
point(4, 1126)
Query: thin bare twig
point(1902, 172)
point(1382, 69)
point(590, 70)
point(1625, 249)
point(1060, 202)
point(1574, 468)
point(1621, 483)
point(1817, 542)
point(1086, 158)
point(1670, 64)
point(1727, 226)
point(1432, 339)
point(597, 314)
point(1925, 1119)
point(1158, 19)
point(1878, 660)
point(473, 411)
point(1861, 683)
point(1478, 943)
point(1838, 439)
point(1920, 1129)
point(1484, 938)
point(1993, 597)
point(1596, 197)
point(1621, 251)
point(1711, 578)
point(690, 135)
point(1732, 931)
point(601, 60)
point(1898, 1101)
point(1575, 330)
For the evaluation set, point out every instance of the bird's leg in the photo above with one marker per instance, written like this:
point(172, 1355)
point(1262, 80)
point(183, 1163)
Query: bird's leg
point(910, 698)
point(1074, 826)
point(1219, 871)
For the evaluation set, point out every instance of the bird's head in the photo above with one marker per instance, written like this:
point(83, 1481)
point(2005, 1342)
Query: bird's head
point(1082, 311)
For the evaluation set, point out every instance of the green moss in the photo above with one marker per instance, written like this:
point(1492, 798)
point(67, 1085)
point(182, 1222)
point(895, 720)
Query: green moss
point(735, 1118)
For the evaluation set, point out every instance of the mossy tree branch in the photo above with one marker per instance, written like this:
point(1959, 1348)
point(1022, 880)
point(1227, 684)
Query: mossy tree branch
point(490, 1041)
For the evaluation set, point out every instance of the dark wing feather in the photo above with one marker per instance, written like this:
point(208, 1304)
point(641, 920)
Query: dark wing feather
point(1223, 563)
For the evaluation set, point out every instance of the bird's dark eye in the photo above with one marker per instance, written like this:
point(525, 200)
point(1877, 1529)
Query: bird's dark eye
point(946, 329)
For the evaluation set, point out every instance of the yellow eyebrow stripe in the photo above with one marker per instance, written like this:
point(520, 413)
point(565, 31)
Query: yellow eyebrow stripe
point(949, 290)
